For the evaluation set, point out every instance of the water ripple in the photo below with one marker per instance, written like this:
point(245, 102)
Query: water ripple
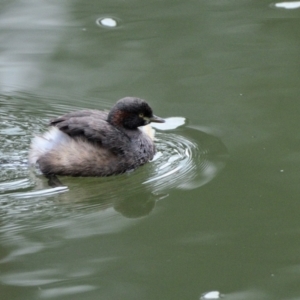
point(185, 163)
point(186, 158)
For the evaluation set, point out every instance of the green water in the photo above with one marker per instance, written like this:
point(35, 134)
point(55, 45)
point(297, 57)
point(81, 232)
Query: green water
point(218, 208)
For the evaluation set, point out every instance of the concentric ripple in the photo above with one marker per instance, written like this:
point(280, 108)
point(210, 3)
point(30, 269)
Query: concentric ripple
point(185, 163)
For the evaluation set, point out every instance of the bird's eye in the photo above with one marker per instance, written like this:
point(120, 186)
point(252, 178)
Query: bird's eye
point(141, 115)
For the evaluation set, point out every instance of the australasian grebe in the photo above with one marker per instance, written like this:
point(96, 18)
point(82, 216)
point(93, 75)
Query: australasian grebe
point(96, 143)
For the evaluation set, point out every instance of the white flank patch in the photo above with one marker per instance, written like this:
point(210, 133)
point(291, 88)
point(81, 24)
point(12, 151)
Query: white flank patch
point(46, 142)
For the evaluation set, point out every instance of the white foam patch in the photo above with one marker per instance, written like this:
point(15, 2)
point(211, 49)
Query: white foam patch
point(170, 123)
point(211, 295)
point(108, 22)
point(288, 5)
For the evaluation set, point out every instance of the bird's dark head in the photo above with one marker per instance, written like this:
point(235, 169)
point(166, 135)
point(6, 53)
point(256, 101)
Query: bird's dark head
point(131, 112)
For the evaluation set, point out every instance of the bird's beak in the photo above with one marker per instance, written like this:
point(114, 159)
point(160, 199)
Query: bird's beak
point(156, 119)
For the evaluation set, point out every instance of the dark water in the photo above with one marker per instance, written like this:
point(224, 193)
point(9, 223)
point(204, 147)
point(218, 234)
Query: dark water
point(218, 207)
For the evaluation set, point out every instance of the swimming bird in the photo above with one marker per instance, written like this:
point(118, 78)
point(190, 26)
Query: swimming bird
point(96, 143)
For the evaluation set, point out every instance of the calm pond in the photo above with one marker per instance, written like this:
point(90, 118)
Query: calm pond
point(218, 207)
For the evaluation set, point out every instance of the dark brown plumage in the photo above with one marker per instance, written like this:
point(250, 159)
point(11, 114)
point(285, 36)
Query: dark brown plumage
point(96, 143)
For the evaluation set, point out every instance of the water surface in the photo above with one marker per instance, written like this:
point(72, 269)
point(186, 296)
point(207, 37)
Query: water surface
point(217, 208)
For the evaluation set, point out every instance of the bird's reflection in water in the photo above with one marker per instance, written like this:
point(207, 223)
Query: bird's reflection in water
point(101, 193)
